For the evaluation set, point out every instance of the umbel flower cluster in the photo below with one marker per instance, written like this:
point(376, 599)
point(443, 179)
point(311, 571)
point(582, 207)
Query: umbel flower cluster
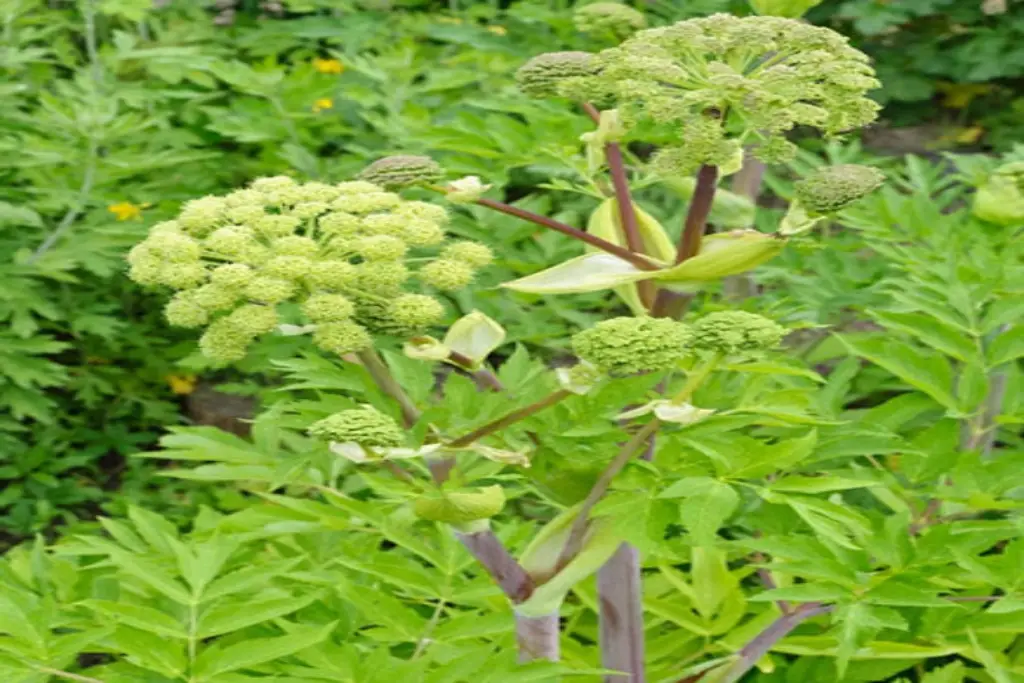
point(609, 19)
point(335, 254)
point(704, 87)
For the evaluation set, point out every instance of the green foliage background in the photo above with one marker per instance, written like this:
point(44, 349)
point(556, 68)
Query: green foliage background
point(105, 103)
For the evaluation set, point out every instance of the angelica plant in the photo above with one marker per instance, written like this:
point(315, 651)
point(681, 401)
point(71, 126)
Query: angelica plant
point(358, 265)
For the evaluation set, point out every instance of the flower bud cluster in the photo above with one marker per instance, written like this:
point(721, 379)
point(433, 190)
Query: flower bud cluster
point(338, 251)
point(702, 85)
point(609, 19)
point(365, 426)
point(833, 188)
point(735, 332)
point(626, 346)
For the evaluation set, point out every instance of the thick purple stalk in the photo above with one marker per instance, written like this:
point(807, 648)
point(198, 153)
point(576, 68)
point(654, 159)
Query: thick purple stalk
point(537, 637)
point(622, 616)
point(503, 568)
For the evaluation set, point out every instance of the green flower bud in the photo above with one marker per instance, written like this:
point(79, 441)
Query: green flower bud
point(1001, 198)
point(225, 341)
point(171, 247)
point(231, 241)
point(245, 214)
point(380, 276)
point(254, 319)
point(403, 170)
point(356, 187)
point(461, 507)
point(182, 276)
point(432, 213)
point(272, 184)
point(318, 192)
point(365, 203)
point(609, 19)
point(146, 271)
point(331, 274)
point(422, 233)
point(322, 308)
point(446, 274)
point(276, 226)
point(776, 150)
point(200, 216)
point(544, 74)
point(475, 254)
point(295, 245)
point(380, 248)
point(342, 337)
point(415, 311)
point(833, 188)
point(626, 346)
point(287, 267)
point(365, 426)
point(731, 332)
point(245, 198)
point(184, 311)
point(340, 223)
point(269, 290)
point(234, 275)
point(307, 210)
point(216, 297)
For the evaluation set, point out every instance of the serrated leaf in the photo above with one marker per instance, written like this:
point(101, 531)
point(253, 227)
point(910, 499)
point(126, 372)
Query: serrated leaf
point(216, 659)
point(805, 484)
point(235, 614)
point(926, 371)
point(931, 332)
point(1006, 347)
point(139, 616)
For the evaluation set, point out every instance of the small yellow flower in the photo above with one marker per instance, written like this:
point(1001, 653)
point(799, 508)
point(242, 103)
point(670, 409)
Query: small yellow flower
point(323, 103)
point(181, 384)
point(498, 30)
point(328, 66)
point(125, 211)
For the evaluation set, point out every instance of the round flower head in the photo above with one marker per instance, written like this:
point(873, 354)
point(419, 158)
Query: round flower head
point(415, 311)
point(543, 75)
point(295, 245)
point(200, 216)
point(331, 274)
point(321, 308)
point(234, 275)
point(447, 274)
point(225, 340)
point(833, 188)
point(380, 248)
point(473, 253)
point(609, 19)
point(731, 332)
point(342, 337)
point(254, 319)
point(404, 170)
point(625, 346)
point(184, 311)
point(701, 83)
point(365, 426)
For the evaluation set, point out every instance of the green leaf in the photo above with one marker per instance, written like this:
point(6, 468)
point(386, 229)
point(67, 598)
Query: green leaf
point(904, 594)
point(931, 332)
point(805, 484)
point(221, 659)
point(951, 673)
point(928, 372)
point(151, 651)
point(812, 591)
point(989, 661)
point(708, 504)
point(234, 615)
point(151, 574)
point(712, 580)
point(139, 616)
point(1008, 346)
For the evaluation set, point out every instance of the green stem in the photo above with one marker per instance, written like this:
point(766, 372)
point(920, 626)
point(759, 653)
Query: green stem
point(382, 377)
point(67, 675)
point(579, 526)
point(511, 418)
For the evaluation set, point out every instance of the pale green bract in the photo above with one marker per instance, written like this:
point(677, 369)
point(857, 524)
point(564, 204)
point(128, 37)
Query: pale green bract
point(339, 251)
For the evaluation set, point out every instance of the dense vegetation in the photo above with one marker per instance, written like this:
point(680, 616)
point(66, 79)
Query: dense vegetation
point(171, 516)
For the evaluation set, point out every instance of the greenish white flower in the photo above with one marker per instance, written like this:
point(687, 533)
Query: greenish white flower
point(466, 190)
point(667, 410)
point(341, 252)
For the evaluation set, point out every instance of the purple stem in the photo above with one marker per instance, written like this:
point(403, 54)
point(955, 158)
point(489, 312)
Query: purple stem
point(537, 637)
point(506, 571)
point(766, 639)
point(622, 616)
